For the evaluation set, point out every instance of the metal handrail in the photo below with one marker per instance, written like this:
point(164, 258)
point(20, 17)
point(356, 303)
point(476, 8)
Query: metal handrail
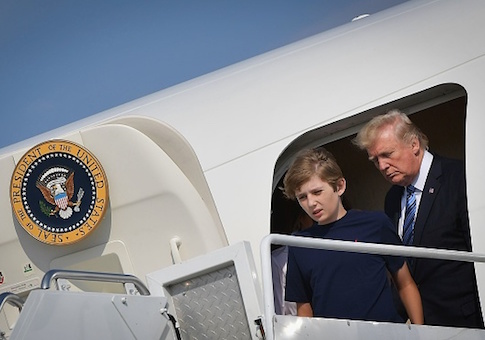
point(55, 274)
point(12, 299)
point(348, 246)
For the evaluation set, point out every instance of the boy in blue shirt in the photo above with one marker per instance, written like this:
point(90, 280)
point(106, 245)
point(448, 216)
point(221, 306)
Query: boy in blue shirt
point(335, 284)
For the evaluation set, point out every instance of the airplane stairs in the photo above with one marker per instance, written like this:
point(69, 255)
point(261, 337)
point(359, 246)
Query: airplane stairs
point(57, 314)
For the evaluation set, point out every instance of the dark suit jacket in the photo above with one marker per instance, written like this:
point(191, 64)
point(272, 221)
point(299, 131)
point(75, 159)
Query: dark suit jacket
point(448, 288)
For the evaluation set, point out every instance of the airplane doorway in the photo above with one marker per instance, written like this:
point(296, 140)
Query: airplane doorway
point(440, 112)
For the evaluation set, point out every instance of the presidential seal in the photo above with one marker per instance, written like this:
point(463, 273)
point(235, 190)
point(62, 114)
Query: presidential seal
point(59, 192)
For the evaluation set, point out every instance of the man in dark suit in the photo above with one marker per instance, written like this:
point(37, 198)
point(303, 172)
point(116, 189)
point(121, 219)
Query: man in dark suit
point(428, 204)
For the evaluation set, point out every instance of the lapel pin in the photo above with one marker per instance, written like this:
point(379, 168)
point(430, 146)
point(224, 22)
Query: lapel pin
point(431, 190)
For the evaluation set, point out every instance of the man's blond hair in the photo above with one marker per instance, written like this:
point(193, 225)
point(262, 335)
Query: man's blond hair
point(404, 129)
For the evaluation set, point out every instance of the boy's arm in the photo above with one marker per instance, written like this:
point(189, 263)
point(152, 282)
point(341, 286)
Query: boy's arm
point(409, 294)
point(304, 309)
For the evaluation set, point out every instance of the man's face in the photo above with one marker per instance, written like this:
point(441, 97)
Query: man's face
point(397, 161)
point(319, 200)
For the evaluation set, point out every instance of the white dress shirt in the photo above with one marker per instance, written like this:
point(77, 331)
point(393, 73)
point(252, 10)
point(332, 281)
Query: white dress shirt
point(279, 261)
point(418, 183)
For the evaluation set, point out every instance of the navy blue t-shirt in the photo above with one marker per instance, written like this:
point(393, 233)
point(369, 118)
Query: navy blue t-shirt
point(341, 284)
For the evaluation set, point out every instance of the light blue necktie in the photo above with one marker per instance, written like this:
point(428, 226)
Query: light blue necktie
point(408, 226)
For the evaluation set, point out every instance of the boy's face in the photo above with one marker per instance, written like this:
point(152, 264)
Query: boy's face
point(320, 201)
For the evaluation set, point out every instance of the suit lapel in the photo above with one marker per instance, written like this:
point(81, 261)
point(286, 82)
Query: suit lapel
point(393, 204)
point(430, 192)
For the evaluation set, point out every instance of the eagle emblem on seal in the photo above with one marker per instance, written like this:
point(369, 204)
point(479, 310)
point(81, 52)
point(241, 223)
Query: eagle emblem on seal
point(57, 186)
